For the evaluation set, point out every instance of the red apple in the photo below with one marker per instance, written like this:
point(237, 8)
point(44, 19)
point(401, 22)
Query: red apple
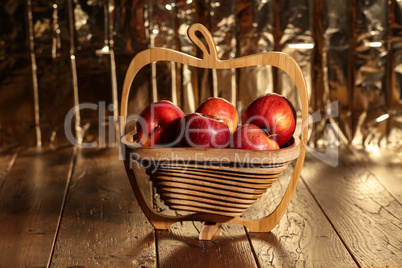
point(274, 113)
point(202, 130)
point(157, 124)
point(251, 137)
point(221, 109)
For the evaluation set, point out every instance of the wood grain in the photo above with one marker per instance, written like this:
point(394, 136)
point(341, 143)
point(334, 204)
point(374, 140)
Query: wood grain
point(365, 215)
point(102, 223)
point(179, 246)
point(303, 237)
point(7, 160)
point(386, 165)
point(30, 203)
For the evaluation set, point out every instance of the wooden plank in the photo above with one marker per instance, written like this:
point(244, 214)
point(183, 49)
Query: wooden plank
point(7, 160)
point(102, 224)
point(30, 203)
point(386, 166)
point(179, 246)
point(303, 237)
point(365, 215)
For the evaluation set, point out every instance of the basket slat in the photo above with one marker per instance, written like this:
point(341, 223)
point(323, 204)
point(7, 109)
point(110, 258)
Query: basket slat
point(166, 196)
point(204, 210)
point(214, 191)
point(203, 180)
point(241, 177)
point(202, 194)
point(188, 183)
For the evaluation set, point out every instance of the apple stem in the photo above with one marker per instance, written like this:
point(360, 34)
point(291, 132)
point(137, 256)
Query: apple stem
point(270, 135)
point(158, 128)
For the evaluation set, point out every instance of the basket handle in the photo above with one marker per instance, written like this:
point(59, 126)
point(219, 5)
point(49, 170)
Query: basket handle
point(210, 53)
point(210, 60)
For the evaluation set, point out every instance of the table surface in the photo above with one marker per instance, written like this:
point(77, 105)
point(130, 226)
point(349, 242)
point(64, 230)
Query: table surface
point(69, 207)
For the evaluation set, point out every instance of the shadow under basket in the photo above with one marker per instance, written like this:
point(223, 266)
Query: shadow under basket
point(222, 182)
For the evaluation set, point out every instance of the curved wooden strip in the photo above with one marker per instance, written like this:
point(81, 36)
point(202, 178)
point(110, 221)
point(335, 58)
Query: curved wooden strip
point(240, 201)
point(216, 179)
point(232, 170)
point(247, 177)
point(205, 210)
point(210, 54)
point(269, 222)
point(166, 196)
point(180, 202)
point(207, 187)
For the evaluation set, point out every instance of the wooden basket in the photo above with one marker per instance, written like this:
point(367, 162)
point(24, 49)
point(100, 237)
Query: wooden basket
point(218, 185)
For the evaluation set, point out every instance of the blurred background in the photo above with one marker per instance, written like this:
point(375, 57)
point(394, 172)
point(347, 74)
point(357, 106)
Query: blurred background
point(57, 54)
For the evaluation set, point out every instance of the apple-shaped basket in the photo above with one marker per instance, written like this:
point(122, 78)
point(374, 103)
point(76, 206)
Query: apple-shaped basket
point(216, 185)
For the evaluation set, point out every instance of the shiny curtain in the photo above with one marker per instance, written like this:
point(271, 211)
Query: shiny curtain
point(57, 54)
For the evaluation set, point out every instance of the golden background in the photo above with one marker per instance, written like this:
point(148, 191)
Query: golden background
point(57, 54)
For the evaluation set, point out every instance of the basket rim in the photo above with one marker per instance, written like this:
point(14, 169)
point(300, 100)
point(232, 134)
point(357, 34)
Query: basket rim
point(211, 155)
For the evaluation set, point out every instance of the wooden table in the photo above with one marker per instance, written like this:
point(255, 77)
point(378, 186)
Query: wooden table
point(64, 207)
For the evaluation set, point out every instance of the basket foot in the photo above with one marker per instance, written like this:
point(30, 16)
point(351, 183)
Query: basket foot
point(209, 230)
